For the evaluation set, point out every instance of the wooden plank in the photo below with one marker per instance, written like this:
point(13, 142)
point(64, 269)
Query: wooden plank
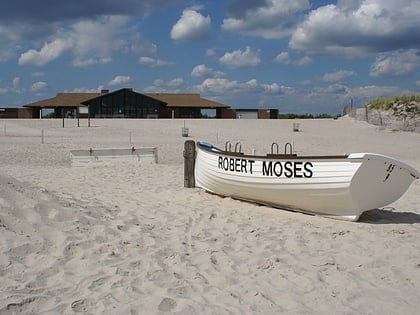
point(189, 163)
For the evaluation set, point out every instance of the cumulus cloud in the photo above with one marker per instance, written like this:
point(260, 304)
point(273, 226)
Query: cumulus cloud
point(38, 86)
point(283, 58)
point(95, 41)
point(275, 88)
point(90, 41)
point(210, 52)
point(271, 19)
point(49, 52)
point(357, 28)
point(25, 22)
point(120, 80)
point(337, 76)
point(192, 26)
point(203, 71)
point(241, 59)
point(176, 82)
point(396, 64)
point(141, 46)
point(223, 86)
point(152, 62)
point(16, 83)
point(172, 86)
point(303, 61)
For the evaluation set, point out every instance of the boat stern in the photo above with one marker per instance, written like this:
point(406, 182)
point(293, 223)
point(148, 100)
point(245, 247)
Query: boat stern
point(380, 180)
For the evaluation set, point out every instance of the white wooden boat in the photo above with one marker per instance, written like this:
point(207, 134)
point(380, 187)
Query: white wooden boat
point(342, 187)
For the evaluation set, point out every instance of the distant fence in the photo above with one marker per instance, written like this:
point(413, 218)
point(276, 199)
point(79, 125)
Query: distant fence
point(384, 119)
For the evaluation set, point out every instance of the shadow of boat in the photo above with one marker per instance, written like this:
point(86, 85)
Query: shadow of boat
point(388, 216)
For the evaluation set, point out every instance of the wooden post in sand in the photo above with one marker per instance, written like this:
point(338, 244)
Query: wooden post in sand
point(189, 162)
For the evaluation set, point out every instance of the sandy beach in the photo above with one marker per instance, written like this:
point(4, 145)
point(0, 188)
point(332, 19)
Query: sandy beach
point(126, 237)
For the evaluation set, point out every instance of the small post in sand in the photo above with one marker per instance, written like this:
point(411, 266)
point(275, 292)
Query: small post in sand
point(189, 163)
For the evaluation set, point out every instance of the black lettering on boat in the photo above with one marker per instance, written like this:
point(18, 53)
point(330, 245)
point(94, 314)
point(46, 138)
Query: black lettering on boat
point(267, 168)
point(308, 173)
point(297, 169)
point(277, 169)
point(250, 165)
point(288, 169)
point(231, 165)
point(237, 165)
point(243, 166)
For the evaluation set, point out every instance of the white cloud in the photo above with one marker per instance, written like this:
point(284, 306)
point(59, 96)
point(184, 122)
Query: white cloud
point(359, 28)
point(49, 52)
point(203, 71)
point(152, 62)
point(210, 52)
point(171, 86)
point(396, 64)
point(303, 61)
point(191, 26)
point(283, 58)
point(95, 41)
point(271, 19)
point(141, 46)
point(219, 86)
point(241, 59)
point(16, 83)
point(366, 93)
point(176, 82)
point(222, 86)
point(90, 41)
point(275, 88)
point(38, 86)
point(120, 80)
point(337, 76)
point(85, 90)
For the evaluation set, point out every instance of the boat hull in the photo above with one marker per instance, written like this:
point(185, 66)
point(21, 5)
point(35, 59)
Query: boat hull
point(339, 187)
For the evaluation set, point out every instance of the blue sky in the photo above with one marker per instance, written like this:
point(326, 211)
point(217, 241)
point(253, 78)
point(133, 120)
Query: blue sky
point(297, 56)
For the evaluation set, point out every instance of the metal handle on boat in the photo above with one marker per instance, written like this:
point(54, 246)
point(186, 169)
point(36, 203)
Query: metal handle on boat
point(288, 144)
point(228, 146)
point(274, 145)
point(238, 145)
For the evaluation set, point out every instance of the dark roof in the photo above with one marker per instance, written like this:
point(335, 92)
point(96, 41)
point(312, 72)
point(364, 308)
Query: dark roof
point(170, 99)
point(185, 100)
point(64, 100)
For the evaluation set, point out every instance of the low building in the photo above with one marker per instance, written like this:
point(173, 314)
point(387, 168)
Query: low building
point(15, 113)
point(250, 113)
point(63, 104)
point(126, 103)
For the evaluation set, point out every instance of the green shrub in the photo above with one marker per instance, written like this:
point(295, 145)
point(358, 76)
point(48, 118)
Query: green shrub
point(385, 103)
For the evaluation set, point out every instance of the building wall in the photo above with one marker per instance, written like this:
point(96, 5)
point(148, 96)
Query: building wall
point(125, 104)
point(26, 113)
point(268, 113)
point(16, 113)
point(227, 113)
point(246, 114)
point(8, 112)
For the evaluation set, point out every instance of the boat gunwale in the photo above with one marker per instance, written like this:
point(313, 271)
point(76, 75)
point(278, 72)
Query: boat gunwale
point(270, 156)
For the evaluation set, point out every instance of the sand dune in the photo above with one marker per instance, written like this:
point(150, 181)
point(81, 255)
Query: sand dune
point(127, 238)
